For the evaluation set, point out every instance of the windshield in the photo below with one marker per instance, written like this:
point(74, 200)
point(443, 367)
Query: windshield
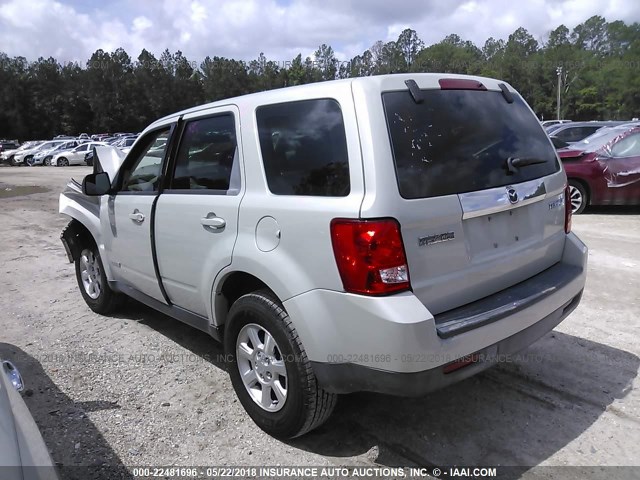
point(599, 139)
point(46, 146)
point(459, 141)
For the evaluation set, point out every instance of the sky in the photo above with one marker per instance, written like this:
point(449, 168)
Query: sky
point(71, 30)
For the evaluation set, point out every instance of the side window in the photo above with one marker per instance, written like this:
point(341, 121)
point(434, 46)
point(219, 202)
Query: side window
point(143, 174)
point(627, 147)
point(304, 148)
point(565, 134)
point(205, 159)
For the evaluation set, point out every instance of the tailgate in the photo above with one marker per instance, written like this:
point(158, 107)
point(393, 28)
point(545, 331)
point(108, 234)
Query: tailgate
point(481, 189)
point(485, 244)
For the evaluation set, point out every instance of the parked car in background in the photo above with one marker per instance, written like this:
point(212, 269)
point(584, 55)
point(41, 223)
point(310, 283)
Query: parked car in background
point(7, 156)
point(75, 156)
point(43, 157)
point(604, 169)
point(23, 157)
point(63, 137)
point(569, 133)
point(22, 445)
point(7, 145)
point(549, 123)
point(124, 142)
point(420, 241)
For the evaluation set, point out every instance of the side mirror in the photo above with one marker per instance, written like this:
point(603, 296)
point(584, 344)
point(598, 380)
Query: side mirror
point(96, 184)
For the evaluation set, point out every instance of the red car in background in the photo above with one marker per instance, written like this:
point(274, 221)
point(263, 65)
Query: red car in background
point(604, 169)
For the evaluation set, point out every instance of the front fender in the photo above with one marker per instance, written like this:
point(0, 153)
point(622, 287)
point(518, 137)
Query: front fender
point(86, 211)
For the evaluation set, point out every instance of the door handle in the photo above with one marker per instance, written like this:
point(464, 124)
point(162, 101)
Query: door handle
point(215, 223)
point(136, 216)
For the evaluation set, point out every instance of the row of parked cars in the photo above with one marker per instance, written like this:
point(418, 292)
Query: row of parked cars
point(601, 159)
point(62, 151)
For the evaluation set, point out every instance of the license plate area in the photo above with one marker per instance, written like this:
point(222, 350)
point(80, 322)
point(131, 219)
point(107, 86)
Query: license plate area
point(502, 231)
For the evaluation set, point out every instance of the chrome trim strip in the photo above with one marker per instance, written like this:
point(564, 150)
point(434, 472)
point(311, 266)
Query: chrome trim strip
point(494, 200)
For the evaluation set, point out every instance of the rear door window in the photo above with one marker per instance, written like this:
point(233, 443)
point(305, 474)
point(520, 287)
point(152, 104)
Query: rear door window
point(304, 148)
point(459, 141)
point(207, 156)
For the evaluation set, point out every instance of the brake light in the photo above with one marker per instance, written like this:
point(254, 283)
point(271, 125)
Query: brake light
point(370, 256)
point(567, 209)
point(460, 84)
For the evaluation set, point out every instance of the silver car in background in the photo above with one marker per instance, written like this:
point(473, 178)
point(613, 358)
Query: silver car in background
point(23, 453)
point(391, 234)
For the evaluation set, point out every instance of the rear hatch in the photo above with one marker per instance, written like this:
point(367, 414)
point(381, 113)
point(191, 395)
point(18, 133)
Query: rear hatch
point(482, 190)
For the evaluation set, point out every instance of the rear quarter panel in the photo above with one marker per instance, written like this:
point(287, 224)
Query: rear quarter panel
point(303, 258)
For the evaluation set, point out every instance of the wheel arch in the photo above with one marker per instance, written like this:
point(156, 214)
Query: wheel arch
point(232, 286)
point(74, 237)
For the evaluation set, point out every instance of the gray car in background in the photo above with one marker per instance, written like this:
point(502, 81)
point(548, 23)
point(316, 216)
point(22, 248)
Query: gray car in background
point(23, 453)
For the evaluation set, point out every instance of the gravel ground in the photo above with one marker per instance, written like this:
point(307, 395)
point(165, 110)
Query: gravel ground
point(142, 389)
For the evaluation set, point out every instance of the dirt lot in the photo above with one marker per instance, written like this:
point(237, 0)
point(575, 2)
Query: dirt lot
point(142, 389)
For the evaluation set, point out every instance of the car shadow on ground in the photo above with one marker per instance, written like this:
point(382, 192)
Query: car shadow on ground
point(77, 447)
point(516, 414)
point(194, 340)
point(612, 210)
point(519, 413)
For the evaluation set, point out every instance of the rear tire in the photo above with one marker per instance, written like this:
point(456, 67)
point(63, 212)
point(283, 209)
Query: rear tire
point(275, 363)
point(93, 283)
point(578, 197)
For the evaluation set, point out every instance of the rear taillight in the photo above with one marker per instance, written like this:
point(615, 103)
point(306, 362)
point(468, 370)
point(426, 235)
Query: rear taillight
point(370, 256)
point(567, 210)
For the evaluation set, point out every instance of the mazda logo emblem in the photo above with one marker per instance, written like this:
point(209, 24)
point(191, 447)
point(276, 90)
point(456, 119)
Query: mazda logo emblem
point(512, 194)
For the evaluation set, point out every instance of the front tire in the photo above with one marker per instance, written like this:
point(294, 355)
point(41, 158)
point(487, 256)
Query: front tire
point(269, 368)
point(578, 197)
point(63, 162)
point(93, 283)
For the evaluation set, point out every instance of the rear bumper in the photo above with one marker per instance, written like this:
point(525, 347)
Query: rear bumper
point(395, 345)
point(349, 377)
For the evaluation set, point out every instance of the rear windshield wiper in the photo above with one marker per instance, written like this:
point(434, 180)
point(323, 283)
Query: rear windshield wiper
point(514, 163)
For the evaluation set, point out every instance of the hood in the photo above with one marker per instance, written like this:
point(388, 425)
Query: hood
point(109, 160)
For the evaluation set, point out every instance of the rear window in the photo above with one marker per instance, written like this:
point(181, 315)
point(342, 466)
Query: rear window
point(304, 148)
point(459, 141)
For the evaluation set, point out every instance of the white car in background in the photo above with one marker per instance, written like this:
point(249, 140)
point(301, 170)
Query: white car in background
point(74, 156)
point(44, 157)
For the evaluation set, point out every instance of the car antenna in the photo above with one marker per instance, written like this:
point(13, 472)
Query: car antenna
point(414, 90)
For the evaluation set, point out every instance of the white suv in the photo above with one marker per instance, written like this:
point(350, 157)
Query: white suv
point(390, 234)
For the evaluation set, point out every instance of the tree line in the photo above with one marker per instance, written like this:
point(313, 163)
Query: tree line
point(112, 92)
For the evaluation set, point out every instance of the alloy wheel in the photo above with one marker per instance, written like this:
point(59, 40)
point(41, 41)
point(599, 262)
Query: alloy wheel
point(262, 368)
point(90, 274)
point(576, 198)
